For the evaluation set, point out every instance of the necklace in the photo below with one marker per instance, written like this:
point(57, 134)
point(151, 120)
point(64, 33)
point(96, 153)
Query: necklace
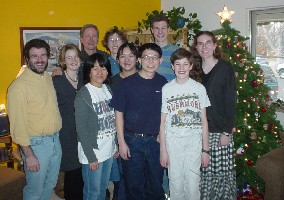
point(71, 78)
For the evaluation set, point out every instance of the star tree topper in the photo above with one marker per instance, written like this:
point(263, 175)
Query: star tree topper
point(225, 14)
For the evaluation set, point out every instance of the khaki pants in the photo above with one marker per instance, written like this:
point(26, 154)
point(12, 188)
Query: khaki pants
point(184, 167)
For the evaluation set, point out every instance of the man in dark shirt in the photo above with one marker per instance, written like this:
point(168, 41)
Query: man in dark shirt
point(137, 102)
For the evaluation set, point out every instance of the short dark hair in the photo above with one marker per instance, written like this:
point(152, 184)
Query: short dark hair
point(195, 72)
point(90, 63)
point(36, 43)
point(160, 18)
point(132, 48)
point(150, 46)
point(110, 32)
point(88, 26)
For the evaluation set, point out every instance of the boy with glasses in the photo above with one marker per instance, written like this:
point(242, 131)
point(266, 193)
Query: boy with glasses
point(137, 103)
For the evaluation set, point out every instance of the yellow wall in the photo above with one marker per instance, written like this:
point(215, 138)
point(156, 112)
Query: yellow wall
point(66, 13)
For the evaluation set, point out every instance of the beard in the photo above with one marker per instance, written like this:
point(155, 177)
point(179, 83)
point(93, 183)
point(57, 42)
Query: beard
point(38, 69)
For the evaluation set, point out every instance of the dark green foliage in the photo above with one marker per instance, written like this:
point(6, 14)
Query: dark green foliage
point(255, 112)
point(175, 16)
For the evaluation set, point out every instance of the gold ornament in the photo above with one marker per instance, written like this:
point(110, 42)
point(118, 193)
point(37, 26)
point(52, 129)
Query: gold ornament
point(253, 136)
point(265, 126)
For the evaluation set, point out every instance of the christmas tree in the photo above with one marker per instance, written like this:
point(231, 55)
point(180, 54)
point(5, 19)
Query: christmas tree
point(256, 125)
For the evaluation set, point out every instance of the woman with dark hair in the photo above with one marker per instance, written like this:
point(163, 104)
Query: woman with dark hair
point(112, 41)
point(66, 87)
point(218, 181)
point(95, 128)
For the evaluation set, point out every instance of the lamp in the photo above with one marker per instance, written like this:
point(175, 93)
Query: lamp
point(225, 14)
point(2, 109)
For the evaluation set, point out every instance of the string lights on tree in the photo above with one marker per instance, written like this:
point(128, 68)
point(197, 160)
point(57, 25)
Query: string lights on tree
point(256, 125)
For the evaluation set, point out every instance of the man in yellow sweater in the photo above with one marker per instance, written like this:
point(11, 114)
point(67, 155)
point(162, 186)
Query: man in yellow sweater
point(35, 121)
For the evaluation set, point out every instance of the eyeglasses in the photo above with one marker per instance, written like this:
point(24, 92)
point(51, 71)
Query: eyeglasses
point(114, 40)
point(148, 58)
point(207, 43)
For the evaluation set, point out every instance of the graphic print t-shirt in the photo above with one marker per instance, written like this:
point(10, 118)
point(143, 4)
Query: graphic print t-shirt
point(183, 103)
point(106, 134)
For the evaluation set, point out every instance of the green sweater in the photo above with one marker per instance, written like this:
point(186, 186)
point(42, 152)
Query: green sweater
point(86, 123)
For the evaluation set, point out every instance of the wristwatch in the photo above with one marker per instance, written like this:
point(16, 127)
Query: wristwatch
point(226, 134)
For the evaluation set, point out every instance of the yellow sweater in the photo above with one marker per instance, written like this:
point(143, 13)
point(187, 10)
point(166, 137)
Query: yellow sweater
point(32, 107)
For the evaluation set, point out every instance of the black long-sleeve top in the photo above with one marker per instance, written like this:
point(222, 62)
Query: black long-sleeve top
point(220, 85)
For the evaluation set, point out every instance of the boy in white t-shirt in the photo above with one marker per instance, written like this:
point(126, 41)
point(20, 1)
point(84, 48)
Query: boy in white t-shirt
point(184, 145)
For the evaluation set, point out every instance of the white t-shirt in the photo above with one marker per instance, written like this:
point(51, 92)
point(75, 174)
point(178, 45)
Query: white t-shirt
point(106, 134)
point(183, 103)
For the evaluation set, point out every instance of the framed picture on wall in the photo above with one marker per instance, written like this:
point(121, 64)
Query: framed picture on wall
point(56, 37)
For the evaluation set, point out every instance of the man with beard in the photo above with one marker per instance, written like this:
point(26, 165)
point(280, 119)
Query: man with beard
point(35, 122)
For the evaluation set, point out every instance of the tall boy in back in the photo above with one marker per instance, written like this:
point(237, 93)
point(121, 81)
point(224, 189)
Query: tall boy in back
point(160, 28)
point(184, 145)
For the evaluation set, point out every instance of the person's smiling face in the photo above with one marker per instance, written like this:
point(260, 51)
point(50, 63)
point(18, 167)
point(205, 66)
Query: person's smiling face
point(205, 46)
point(114, 42)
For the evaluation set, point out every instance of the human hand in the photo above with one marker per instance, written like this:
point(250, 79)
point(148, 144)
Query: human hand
point(124, 151)
point(158, 138)
point(94, 166)
point(224, 140)
point(205, 159)
point(32, 163)
point(57, 71)
point(164, 158)
point(116, 154)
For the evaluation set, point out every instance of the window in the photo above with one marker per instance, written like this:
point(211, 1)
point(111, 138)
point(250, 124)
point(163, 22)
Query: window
point(267, 45)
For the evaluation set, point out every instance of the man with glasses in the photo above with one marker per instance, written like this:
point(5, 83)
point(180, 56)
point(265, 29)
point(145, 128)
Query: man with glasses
point(35, 122)
point(137, 103)
point(160, 27)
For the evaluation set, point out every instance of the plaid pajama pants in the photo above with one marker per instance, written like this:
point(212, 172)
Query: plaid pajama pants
point(218, 181)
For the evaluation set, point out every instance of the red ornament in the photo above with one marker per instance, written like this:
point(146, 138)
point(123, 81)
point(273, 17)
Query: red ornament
point(267, 96)
point(227, 44)
point(254, 83)
point(249, 163)
point(263, 109)
point(271, 127)
point(235, 55)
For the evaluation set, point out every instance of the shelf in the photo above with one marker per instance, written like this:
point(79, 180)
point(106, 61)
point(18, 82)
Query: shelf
point(7, 140)
point(6, 161)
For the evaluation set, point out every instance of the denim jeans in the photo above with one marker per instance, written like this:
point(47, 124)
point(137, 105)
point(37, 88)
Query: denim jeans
point(96, 182)
point(40, 184)
point(121, 189)
point(143, 172)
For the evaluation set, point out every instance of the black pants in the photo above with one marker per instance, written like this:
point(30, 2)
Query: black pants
point(73, 185)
